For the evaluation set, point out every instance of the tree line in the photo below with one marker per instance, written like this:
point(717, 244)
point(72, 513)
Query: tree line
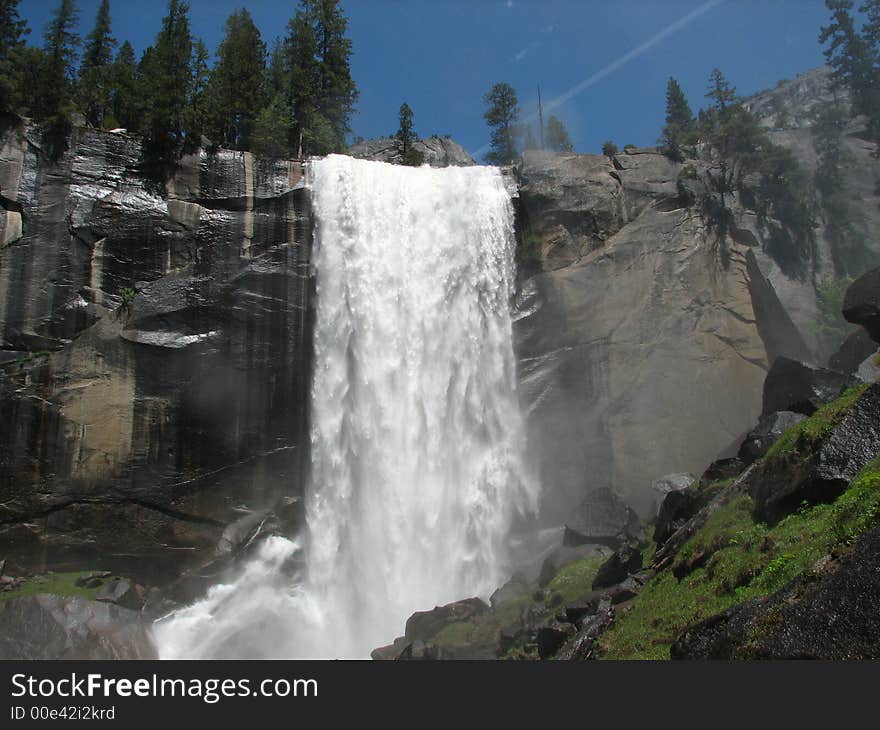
point(296, 98)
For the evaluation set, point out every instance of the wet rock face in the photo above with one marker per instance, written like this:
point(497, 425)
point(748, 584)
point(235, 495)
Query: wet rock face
point(173, 401)
point(795, 386)
point(69, 627)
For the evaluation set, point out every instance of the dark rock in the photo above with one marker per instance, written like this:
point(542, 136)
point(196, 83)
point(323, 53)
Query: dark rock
point(794, 386)
point(122, 593)
point(577, 613)
point(424, 625)
point(855, 349)
point(767, 433)
point(582, 646)
point(626, 560)
point(829, 614)
point(92, 580)
point(722, 469)
point(551, 637)
point(782, 485)
point(602, 518)
point(418, 650)
point(69, 627)
point(676, 509)
point(513, 590)
point(626, 591)
point(861, 303)
point(670, 483)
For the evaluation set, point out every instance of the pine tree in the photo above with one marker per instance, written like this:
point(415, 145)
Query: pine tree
point(609, 149)
point(196, 116)
point(720, 92)
point(95, 71)
point(323, 93)
point(406, 135)
point(679, 129)
point(165, 81)
point(556, 137)
point(12, 32)
point(854, 58)
point(501, 116)
point(124, 106)
point(234, 96)
point(272, 128)
point(55, 92)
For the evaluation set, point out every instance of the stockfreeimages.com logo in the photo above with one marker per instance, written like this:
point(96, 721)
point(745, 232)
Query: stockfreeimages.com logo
point(208, 690)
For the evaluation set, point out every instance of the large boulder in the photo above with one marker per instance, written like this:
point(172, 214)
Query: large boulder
point(795, 386)
point(819, 472)
point(46, 626)
point(861, 303)
point(767, 433)
point(625, 561)
point(853, 351)
point(832, 615)
point(602, 518)
point(670, 483)
point(424, 625)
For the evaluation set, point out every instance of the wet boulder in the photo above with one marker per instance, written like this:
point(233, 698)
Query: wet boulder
point(424, 625)
point(45, 626)
point(602, 518)
point(820, 474)
point(795, 386)
point(767, 433)
point(853, 351)
point(861, 303)
point(624, 561)
point(670, 483)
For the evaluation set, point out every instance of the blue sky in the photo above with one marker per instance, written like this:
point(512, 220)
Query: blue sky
point(442, 56)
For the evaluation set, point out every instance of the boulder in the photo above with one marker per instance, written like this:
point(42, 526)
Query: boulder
point(582, 645)
point(551, 637)
point(424, 625)
point(45, 626)
point(123, 593)
point(670, 483)
point(855, 349)
point(93, 579)
point(795, 386)
point(831, 615)
point(566, 555)
point(624, 561)
point(602, 518)
point(780, 486)
point(767, 433)
point(861, 303)
point(676, 509)
point(722, 469)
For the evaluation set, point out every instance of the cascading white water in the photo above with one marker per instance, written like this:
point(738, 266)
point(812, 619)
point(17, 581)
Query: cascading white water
point(416, 433)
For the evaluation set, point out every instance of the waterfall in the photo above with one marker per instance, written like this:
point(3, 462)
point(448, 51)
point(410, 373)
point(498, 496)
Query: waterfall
point(416, 436)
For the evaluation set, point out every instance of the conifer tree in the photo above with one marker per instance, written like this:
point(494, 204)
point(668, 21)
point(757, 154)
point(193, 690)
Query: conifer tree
point(12, 31)
point(556, 137)
point(406, 135)
point(95, 71)
point(234, 96)
point(124, 103)
point(196, 117)
point(55, 93)
point(501, 116)
point(679, 129)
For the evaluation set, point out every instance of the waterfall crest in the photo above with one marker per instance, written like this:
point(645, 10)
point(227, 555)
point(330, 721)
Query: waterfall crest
point(416, 435)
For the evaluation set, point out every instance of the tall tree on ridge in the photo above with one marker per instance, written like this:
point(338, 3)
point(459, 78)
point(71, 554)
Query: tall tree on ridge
point(679, 127)
point(235, 93)
point(124, 102)
point(55, 95)
point(501, 116)
point(95, 71)
point(556, 137)
point(406, 135)
point(12, 32)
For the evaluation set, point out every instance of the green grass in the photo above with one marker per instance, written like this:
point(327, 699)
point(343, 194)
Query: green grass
point(62, 584)
point(801, 438)
point(744, 560)
point(570, 584)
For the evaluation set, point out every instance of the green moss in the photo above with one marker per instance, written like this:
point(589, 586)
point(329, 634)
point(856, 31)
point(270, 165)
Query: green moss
point(743, 560)
point(575, 580)
point(802, 438)
point(62, 584)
